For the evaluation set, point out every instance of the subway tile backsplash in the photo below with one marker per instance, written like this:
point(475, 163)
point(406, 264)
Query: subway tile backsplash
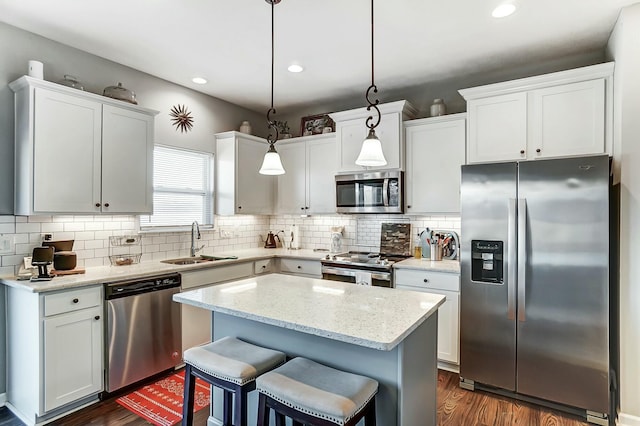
point(91, 234)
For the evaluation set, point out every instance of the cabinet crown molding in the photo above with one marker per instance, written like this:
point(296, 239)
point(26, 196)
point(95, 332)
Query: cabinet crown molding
point(604, 70)
point(26, 81)
point(433, 120)
point(235, 134)
point(407, 110)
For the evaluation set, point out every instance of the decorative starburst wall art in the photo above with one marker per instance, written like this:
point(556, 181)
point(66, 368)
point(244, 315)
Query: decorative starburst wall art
point(181, 118)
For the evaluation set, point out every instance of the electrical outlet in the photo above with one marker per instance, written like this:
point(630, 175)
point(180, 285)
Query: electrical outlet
point(7, 244)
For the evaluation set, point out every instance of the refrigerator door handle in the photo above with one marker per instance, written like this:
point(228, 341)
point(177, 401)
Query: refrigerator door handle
point(511, 259)
point(522, 258)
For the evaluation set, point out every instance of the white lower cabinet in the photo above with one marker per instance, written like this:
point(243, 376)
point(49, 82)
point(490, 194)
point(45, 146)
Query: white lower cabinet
point(72, 356)
point(54, 351)
point(448, 285)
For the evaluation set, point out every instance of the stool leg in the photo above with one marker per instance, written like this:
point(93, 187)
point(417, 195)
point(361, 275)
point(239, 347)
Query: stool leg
point(240, 407)
point(297, 423)
point(226, 409)
point(280, 420)
point(189, 390)
point(370, 416)
point(263, 411)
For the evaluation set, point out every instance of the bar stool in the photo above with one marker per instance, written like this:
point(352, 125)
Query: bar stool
point(231, 365)
point(314, 394)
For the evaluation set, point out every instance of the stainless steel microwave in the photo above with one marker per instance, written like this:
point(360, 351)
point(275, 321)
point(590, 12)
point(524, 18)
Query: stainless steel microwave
point(377, 192)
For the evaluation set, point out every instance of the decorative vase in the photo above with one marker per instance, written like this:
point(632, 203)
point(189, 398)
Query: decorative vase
point(438, 108)
point(245, 127)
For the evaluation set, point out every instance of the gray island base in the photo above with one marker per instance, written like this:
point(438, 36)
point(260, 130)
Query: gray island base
point(387, 334)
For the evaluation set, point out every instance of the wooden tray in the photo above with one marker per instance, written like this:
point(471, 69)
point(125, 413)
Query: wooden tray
point(69, 272)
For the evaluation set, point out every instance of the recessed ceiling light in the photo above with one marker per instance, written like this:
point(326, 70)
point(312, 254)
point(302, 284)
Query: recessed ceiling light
point(503, 10)
point(199, 80)
point(295, 68)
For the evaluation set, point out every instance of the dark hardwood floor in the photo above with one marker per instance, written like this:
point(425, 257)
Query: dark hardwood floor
point(456, 407)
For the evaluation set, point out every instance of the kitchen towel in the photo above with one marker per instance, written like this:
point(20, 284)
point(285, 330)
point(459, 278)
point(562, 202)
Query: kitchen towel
point(363, 278)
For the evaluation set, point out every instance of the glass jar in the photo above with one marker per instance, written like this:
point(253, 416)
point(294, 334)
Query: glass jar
point(438, 108)
point(245, 127)
point(71, 81)
point(121, 93)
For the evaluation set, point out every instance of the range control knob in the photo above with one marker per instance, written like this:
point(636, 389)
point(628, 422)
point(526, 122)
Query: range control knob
point(328, 257)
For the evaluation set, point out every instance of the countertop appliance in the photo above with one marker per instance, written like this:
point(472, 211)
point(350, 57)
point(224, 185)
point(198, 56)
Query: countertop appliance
point(371, 268)
point(379, 192)
point(143, 330)
point(537, 301)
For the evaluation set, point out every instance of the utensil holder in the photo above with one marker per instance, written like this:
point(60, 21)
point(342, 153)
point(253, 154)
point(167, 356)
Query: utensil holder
point(436, 252)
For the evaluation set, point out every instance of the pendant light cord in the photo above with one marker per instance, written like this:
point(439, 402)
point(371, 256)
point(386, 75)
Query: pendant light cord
point(272, 125)
point(372, 104)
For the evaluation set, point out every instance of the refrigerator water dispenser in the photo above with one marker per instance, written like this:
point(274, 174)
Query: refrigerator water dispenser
point(486, 261)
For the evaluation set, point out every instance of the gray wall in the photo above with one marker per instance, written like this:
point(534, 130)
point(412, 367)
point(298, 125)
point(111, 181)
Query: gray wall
point(17, 47)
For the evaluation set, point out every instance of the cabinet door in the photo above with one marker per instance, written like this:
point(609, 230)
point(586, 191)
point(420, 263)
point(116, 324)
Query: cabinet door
point(568, 120)
point(351, 134)
point(497, 128)
point(435, 152)
point(72, 356)
point(321, 186)
point(66, 157)
point(127, 161)
point(448, 327)
point(254, 192)
point(292, 184)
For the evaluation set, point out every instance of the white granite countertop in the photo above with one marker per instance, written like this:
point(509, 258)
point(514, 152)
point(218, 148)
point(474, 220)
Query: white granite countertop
point(449, 266)
point(104, 274)
point(374, 317)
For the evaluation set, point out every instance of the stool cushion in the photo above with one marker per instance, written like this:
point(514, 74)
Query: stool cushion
point(233, 360)
point(318, 390)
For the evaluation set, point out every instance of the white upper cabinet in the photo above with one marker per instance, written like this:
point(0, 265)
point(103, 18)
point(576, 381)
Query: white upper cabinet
point(240, 188)
point(351, 131)
point(308, 186)
point(77, 152)
point(435, 153)
point(561, 114)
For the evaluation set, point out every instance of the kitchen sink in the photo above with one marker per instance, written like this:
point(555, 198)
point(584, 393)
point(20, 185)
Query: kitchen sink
point(198, 259)
point(187, 260)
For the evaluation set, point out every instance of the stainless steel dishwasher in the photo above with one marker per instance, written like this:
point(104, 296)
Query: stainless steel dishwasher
point(144, 331)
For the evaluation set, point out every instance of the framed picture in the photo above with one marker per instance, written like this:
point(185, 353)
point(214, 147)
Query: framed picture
point(316, 124)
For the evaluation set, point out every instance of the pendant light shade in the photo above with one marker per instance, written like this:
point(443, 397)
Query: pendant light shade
point(272, 165)
point(371, 154)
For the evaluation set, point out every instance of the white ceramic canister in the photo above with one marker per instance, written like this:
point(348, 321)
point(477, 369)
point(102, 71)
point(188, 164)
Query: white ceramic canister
point(245, 127)
point(36, 69)
point(438, 108)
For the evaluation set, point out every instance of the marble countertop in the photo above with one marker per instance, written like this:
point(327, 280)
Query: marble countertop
point(449, 266)
point(104, 274)
point(374, 317)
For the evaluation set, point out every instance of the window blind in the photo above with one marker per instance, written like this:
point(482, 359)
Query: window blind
point(182, 188)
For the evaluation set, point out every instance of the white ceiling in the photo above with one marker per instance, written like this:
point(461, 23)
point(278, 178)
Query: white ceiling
point(229, 42)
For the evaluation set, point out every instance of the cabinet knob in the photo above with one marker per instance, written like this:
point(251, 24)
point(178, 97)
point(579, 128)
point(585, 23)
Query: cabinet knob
point(306, 208)
point(264, 266)
point(239, 207)
point(522, 151)
point(76, 300)
point(299, 267)
point(408, 207)
point(97, 317)
point(425, 280)
point(98, 204)
point(106, 204)
point(538, 150)
point(301, 208)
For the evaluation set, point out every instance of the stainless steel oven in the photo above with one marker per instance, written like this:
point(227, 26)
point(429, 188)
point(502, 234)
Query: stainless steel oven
point(348, 275)
point(379, 192)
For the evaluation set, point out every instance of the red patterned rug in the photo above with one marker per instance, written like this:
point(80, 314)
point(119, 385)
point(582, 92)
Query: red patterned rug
point(161, 402)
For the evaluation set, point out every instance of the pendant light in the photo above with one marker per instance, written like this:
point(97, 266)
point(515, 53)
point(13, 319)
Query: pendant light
point(371, 152)
point(271, 165)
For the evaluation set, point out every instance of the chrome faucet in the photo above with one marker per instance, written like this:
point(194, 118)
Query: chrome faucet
point(195, 234)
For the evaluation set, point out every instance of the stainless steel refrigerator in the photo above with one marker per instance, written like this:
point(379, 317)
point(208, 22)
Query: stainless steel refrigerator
point(535, 273)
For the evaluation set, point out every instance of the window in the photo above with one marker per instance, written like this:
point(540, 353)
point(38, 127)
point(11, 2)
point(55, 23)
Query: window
point(182, 189)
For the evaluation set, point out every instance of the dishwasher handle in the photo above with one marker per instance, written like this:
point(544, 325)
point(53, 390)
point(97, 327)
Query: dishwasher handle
point(127, 288)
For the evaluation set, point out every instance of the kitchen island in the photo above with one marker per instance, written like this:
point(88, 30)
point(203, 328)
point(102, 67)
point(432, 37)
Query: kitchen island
point(387, 334)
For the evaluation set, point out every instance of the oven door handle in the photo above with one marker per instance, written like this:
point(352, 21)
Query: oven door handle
point(385, 276)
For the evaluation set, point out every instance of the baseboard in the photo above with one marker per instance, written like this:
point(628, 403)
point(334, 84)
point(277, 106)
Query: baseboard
point(628, 420)
point(212, 421)
point(454, 368)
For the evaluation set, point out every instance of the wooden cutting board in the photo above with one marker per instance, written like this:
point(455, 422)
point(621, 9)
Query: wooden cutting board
point(69, 272)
